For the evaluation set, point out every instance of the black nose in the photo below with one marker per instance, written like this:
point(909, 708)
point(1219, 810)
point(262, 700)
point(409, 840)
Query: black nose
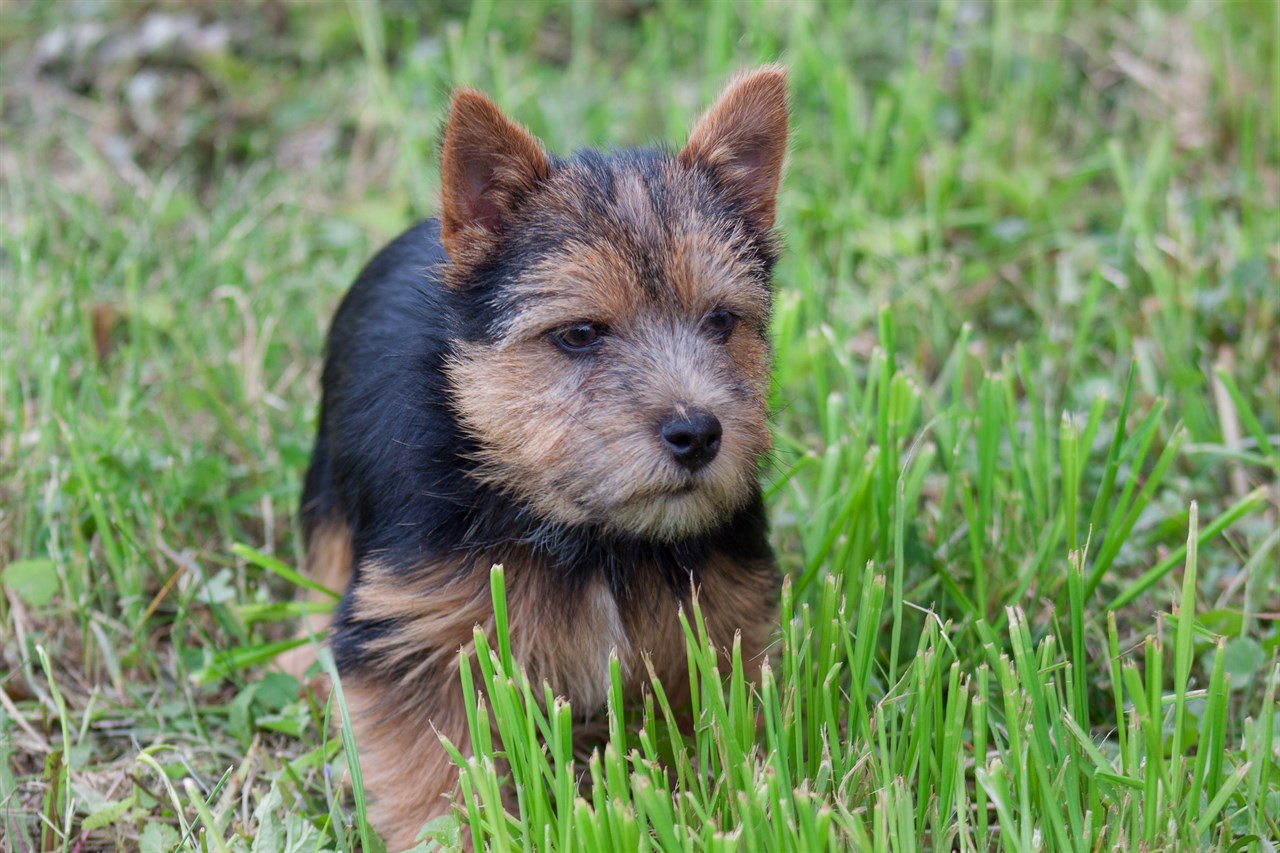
point(694, 439)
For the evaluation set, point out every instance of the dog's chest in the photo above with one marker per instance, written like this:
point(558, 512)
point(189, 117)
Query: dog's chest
point(570, 645)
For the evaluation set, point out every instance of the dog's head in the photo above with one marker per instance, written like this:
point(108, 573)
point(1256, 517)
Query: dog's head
point(613, 363)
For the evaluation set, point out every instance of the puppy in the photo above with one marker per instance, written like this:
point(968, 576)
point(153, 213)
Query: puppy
point(567, 373)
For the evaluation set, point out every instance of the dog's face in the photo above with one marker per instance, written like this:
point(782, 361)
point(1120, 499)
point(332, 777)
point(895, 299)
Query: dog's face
point(618, 372)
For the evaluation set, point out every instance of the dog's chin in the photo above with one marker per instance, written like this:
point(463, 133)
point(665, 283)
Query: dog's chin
point(668, 508)
point(671, 512)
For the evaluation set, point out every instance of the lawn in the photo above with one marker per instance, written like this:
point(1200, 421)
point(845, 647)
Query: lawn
point(1026, 487)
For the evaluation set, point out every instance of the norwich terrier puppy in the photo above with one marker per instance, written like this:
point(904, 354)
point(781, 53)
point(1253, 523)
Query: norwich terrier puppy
point(567, 374)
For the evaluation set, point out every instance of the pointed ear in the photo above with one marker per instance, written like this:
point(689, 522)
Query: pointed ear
point(742, 139)
point(488, 163)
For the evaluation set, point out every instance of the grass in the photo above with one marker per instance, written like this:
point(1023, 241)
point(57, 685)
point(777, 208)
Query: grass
point(1027, 480)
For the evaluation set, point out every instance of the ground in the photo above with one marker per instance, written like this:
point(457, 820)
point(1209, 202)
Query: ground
point(1027, 479)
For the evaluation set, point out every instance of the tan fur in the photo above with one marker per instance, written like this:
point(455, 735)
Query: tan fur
point(407, 772)
point(567, 646)
point(734, 599)
point(740, 599)
point(329, 560)
point(396, 719)
point(744, 137)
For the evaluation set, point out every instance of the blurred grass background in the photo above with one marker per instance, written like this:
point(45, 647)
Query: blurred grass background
point(995, 214)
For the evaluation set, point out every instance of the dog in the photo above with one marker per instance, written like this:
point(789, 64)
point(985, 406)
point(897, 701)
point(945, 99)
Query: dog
point(566, 373)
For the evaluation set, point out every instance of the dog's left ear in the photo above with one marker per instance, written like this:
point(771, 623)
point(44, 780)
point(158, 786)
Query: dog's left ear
point(742, 140)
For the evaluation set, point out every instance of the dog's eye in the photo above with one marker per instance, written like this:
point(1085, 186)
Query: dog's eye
point(579, 337)
point(719, 324)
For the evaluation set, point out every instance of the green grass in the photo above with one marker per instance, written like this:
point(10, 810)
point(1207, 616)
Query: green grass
point(1027, 479)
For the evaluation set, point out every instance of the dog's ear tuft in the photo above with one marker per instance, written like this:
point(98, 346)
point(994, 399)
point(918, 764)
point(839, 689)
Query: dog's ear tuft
point(488, 163)
point(742, 140)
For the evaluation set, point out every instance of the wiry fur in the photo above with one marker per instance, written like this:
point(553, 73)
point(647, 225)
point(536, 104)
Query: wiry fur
point(454, 434)
point(329, 562)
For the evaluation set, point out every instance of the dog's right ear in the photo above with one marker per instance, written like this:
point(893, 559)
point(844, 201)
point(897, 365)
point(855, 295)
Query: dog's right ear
point(488, 163)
